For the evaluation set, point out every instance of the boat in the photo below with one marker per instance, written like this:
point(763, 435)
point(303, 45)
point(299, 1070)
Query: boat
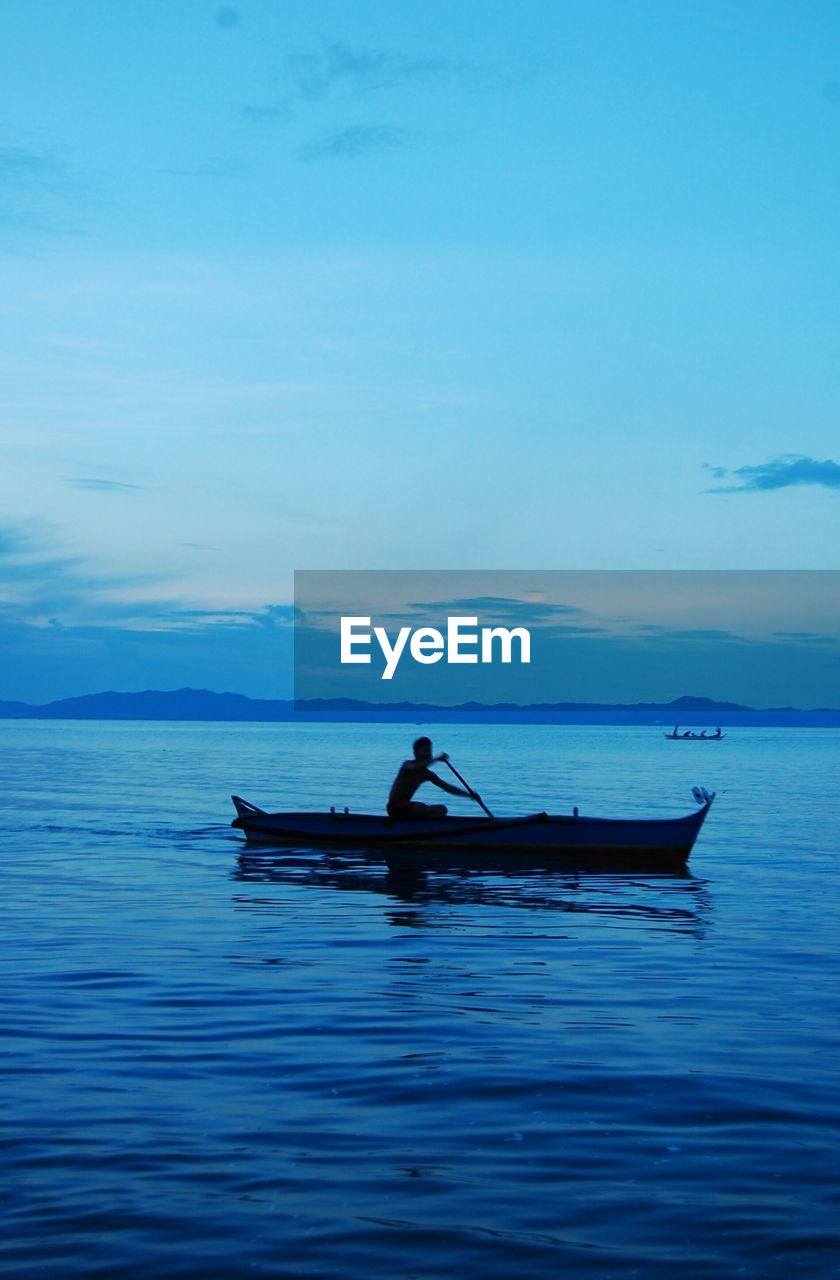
point(688, 736)
point(658, 842)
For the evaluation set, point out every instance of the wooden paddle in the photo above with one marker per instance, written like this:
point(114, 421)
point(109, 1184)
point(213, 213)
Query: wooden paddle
point(466, 785)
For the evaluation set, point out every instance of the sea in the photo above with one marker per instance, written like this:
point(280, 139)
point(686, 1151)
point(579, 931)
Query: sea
point(220, 1064)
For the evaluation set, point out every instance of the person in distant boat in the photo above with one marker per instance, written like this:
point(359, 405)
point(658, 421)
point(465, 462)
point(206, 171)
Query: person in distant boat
point(411, 774)
point(676, 732)
point(717, 733)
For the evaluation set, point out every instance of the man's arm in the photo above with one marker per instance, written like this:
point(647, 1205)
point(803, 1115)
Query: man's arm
point(446, 786)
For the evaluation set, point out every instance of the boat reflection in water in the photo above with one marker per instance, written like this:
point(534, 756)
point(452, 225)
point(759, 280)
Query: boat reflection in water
point(676, 901)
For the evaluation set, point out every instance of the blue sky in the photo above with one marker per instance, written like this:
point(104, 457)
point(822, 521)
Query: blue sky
point(374, 285)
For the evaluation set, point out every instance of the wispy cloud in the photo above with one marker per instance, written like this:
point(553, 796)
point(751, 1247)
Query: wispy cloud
point(276, 615)
point(504, 608)
point(337, 70)
point(711, 635)
point(39, 581)
point(31, 183)
point(359, 140)
point(41, 585)
point(501, 609)
point(807, 637)
point(227, 17)
point(336, 65)
point(780, 473)
point(179, 618)
point(16, 539)
point(20, 165)
point(103, 486)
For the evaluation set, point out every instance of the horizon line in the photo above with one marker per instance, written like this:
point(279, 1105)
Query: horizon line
point(689, 703)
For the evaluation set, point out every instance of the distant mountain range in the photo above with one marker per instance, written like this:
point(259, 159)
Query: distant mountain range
point(203, 704)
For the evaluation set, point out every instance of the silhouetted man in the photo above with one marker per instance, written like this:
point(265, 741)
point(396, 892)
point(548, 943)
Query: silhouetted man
point(412, 773)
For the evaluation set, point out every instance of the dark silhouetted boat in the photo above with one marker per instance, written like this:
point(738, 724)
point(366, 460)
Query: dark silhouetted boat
point(655, 842)
point(690, 736)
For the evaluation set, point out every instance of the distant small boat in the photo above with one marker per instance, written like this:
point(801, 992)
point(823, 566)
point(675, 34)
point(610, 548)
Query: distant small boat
point(688, 736)
point(657, 842)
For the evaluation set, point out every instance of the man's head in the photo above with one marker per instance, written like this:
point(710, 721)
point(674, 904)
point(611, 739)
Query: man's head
point(423, 749)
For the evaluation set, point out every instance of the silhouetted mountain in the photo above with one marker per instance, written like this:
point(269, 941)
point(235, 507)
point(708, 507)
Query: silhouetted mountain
point(13, 710)
point(152, 704)
point(204, 704)
point(704, 704)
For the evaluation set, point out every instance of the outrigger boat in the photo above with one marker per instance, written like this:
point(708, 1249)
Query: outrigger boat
point(691, 736)
point(656, 842)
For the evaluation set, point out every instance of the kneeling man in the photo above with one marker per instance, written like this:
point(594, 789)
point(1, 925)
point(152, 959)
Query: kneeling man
point(411, 774)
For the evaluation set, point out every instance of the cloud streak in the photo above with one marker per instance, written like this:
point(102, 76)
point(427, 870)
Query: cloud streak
point(507, 609)
point(504, 608)
point(20, 165)
point(42, 586)
point(337, 71)
point(314, 76)
point(359, 140)
point(227, 17)
point(31, 183)
point(39, 582)
point(806, 637)
point(16, 539)
point(103, 486)
point(780, 473)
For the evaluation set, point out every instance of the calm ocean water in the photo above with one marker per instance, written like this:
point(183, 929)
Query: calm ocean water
point(301, 1065)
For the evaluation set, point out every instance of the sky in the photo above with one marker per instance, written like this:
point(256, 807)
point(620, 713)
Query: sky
point(482, 286)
